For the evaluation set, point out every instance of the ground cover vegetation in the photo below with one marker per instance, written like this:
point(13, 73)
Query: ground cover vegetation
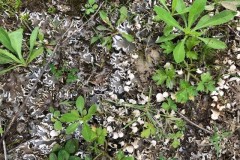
point(119, 80)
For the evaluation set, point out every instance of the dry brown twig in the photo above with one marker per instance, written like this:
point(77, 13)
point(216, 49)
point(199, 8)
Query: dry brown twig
point(61, 40)
point(194, 124)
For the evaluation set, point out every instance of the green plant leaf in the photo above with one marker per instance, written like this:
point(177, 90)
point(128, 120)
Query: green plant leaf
point(34, 54)
point(128, 37)
point(217, 19)
point(87, 133)
point(150, 130)
point(6, 54)
point(53, 156)
point(166, 38)
point(63, 155)
point(101, 133)
point(58, 125)
point(69, 117)
point(167, 30)
point(213, 43)
point(72, 127)
point(56, 147)
point(179, 52)
point(80, 102)
point(105, 18)
point(7, 69)
point(123, 15)
point(165, 16)
point(168, 47)
point(92, 110)
point(186, 92)
point(102, 28)
point(16, 38)
point(206, 84)
point(33, 38)
point(5, 40)
point(74, 158)
point(192, 55)
point(71, 146)
point(5, 60)
point(196, 9)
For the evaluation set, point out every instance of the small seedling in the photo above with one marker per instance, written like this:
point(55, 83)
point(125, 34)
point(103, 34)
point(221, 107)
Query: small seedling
point(192, 30)
point(13, 55)
point(90, 7)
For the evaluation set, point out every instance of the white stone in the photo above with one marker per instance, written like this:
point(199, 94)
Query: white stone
point(134, 129)
point(130, 149)
point(115, 135)
point(238, 56)
point(232, 69)
point(199, 71)
point(215, 98)
point(179, 72)
point(134, 56)
point(160, 97)
point(165, 94)
point(109, 129)
point(132, 101)
point(153, 142)
point(110, 119)
point(136, 113)
point(131, 76)
point(215, 114)
point(135, 144)
point(167, 65)
point(54, 133)
point(126, 88)
point(120, 134)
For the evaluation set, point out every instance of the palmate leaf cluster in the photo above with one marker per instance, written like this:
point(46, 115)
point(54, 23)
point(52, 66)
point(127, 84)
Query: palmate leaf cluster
point(192, 26)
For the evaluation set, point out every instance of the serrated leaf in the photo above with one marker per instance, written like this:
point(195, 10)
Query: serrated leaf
point(213, 43)
point(168, 47)
point(35, 53)
point(128, 37)
point(217, 19)
point(179, 52)
point(69, 117)
point(175, 143)
point(5, 40)
point(186, 92)
point(33, 38)
point(167, 30)
point(72, 127)
point(123, 15)
point(159, 77)
point(58, 125)
point(196, 9)
point(80, 102)
point(166, 17)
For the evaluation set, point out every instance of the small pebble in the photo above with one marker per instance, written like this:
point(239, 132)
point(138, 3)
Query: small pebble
point(160, 97)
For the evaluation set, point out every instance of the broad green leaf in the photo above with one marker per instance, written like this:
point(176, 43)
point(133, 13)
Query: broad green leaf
point(166, 17)
point(5, 60)
point(53, 156)
point(87, 133)
point(105, 18)
point(163, 2)
point(33, 38)
point(192, 42)
point(192, 55)
point(92, 110)
point(5, 53)
point(179, 52)
point(167, 30)
point(213, 43)
point(63, 155)
point(80, 102)
point(58, 125)
point(196, 9)
point(180, 6)
point(16, 38)
point(123, 15)
point(56, 147)
point(74, 158)
point(91, 2)
point(34, 54)
point(174, 5)
point(145, 133)
point(69, 117)
point(72, 146)
point(217, 19)
point(102, 28)
point(175, 143)
point(5, 40)
point(72, 127)
point(94, 39)
point(166, 38)
point(128, 37)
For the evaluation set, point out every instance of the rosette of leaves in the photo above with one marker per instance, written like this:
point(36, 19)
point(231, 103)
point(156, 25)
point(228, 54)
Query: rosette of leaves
point(90, 7)
point(12, 52)
point(192, 27)
point(106, 32)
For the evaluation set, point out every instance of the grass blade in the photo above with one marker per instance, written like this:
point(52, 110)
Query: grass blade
point(33, 38)
point(213, 43)
point(34, 54)
point(5, 40)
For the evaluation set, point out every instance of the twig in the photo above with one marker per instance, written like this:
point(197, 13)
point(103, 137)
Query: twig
point(194, 124)
point(4, 145)
point(61, 40)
